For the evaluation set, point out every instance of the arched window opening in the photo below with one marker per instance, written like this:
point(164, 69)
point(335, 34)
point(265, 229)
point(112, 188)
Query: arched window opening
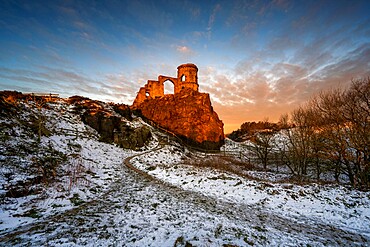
point(169, 87)
point(183, 77)
point(147, 94)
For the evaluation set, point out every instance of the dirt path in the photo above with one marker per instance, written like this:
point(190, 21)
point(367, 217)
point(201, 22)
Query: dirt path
point(140, 210)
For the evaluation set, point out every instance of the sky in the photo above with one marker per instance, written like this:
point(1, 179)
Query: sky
point(256, 59)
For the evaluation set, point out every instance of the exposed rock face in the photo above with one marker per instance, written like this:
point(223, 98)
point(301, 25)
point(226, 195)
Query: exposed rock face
point(188, 114)
point(113, 129)
point(130, 137)
point(103, 123)
point(123, 110)
point(111, 122)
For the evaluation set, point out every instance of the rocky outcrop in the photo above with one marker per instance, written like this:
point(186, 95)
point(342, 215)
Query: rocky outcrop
point(132, 138)
point(102, 122)
point(111, 122)
point(123, 110)
point(189, 115)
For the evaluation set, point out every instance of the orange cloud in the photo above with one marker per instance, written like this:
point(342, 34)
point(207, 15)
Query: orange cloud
point(277, 89)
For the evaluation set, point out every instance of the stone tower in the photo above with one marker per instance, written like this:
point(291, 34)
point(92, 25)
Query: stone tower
point(187, 77)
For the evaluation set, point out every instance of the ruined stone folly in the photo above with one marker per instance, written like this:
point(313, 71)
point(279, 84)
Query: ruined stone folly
point(186, 113)
point(187, 77)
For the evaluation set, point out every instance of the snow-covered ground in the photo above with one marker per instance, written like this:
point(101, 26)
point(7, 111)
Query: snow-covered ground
point(98, 201)
point(88, 170)
point(337, 206)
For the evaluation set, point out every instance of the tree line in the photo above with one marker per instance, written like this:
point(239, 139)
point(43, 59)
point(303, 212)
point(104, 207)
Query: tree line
point(330, 135)
point(249, 129)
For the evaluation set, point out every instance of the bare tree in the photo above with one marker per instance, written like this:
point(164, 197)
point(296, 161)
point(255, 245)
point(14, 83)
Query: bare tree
point(262, 147)
point(297, 150)
point(343, 125)
point(356, 114)
point(331, 133)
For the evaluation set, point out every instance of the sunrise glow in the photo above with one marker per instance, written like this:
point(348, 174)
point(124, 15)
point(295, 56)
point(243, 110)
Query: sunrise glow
point(256, 59)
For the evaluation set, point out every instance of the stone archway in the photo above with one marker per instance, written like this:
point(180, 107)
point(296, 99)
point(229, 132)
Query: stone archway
point(163, 79)
point(169, 87)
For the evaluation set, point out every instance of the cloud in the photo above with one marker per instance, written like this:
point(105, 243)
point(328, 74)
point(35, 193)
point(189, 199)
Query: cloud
point(185, 53)
point(184, 49)
point(282, 5)
point(257, 89)
point(212, 18)
point(68, 11)
point(194, 13)
point(67, 83)
point(260, 62)
point(292, 67)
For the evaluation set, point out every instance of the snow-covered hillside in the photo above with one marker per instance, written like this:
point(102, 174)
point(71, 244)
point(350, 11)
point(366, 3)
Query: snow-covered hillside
point(70, 189)
point(81, 168)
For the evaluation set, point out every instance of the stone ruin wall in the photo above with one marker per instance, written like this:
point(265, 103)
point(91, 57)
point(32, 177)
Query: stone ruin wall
point(187, 77)
point(187, 113)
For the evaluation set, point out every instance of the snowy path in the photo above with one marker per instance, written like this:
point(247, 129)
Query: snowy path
point(140, 210)
point(258, 217)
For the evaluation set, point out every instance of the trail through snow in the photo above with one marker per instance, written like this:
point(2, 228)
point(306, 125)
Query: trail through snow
point(152, 198)
point(145, 211)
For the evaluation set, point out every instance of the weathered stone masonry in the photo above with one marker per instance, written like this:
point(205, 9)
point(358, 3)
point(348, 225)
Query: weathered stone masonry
point(187, 113)
point(187, 77)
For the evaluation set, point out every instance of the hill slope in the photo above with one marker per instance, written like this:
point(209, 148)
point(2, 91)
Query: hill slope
point(62, 186)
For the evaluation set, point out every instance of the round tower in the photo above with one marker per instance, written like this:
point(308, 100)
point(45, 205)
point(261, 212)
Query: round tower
point(187, 76)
